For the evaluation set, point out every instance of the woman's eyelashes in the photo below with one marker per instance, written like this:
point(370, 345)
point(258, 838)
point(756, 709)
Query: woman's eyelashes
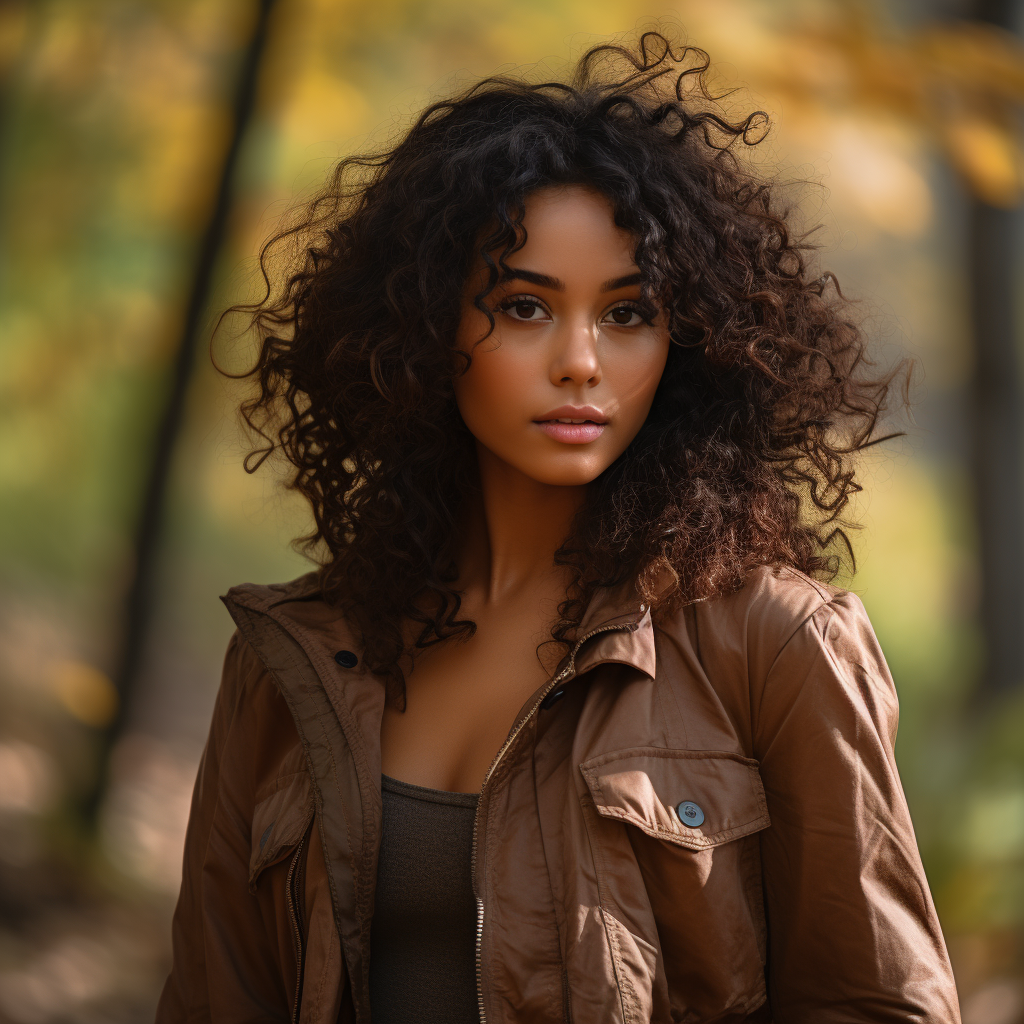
point(626, 315)
point(524, 308)
point(528, 308)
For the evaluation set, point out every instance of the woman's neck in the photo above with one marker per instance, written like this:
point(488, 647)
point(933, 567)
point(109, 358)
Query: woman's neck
point(514, 525)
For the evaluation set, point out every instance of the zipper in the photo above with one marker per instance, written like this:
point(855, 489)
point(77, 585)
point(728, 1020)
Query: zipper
point(296, 875)
point(566, 672)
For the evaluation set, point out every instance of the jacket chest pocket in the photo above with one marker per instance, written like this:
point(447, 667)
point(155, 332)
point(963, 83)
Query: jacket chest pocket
point(692, 798)
point(281, 816)
point(687, 815)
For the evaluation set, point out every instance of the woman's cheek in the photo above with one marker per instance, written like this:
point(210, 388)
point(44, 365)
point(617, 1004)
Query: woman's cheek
point(491, 394)
point(637, 377)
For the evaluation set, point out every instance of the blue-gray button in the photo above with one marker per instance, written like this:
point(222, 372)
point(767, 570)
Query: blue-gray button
point(266, 836)
point(690, 814)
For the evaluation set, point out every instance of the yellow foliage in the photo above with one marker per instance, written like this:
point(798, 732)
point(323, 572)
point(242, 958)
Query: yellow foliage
point(988, 156)
point(959, 84)
point(322, 107)
point(85, 692)
point(13, 28)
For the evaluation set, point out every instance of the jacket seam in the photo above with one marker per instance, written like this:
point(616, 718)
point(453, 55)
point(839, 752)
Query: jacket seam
point(325, 734)
point(350, 731)
point(318, 1005)
point(830, 605)
point(625, 993)
point(319, 713)
point(668, 753)
point(547, 868)
point(325, 676)
point(801, 577)
point(799, 627)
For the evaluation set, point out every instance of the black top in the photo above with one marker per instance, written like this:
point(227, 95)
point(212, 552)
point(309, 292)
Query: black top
point(423, 935)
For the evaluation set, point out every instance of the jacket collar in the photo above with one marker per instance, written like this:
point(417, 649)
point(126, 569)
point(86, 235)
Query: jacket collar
point(616, 627)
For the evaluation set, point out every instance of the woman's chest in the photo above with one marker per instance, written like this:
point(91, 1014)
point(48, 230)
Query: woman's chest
point(461, 701)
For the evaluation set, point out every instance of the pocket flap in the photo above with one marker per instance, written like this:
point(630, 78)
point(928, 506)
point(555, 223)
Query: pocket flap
point(719, 792)
point(279, 820)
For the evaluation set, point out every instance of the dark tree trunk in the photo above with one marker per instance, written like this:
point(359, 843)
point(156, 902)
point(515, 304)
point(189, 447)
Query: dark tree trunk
point(998, 435)
point(997, 445)
point(139, 596)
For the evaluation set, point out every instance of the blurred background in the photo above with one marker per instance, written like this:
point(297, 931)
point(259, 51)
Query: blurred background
point(148, 146)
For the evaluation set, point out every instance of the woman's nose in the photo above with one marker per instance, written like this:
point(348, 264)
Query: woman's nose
point(575, 359)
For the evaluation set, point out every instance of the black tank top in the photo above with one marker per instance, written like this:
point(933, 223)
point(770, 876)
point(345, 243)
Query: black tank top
point(423, 934)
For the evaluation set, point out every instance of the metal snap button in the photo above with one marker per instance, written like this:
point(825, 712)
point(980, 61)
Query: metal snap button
point(346, 659)
point(551, 698)
point(690, 814)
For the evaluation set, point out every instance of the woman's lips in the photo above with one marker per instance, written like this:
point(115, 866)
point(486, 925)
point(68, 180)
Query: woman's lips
point(572, 433)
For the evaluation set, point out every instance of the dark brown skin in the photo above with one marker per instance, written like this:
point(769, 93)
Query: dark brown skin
point(573, 340)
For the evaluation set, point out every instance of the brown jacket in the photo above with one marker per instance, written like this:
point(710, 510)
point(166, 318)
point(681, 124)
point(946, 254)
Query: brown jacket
point(800, 898)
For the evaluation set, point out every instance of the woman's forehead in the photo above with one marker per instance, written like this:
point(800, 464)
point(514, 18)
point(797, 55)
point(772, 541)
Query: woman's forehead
point(569, 234)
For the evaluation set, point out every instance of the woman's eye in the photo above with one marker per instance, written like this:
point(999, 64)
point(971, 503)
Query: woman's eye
point(624, 316)
point(524, 309)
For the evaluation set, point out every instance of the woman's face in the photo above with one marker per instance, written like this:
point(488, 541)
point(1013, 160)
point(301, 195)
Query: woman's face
point(567, 377)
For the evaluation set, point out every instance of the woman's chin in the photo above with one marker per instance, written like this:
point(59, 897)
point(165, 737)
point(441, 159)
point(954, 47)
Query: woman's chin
point(562, 475)
point(565, 466)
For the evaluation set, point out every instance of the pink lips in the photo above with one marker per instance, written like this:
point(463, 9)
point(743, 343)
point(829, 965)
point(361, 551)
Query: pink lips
point(572, 433)
point(589, 426)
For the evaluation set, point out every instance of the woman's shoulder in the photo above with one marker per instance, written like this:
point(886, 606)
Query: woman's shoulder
point(288, 635)
point(776, 604)
point(271, 615)
point(785, 639)
point(779, 599)
point(253, 738)
point(261, 613)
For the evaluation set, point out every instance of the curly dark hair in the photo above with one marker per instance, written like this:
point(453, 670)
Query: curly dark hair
point(746, 456)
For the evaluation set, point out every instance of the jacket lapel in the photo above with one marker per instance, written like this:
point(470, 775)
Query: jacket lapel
point(333, 709)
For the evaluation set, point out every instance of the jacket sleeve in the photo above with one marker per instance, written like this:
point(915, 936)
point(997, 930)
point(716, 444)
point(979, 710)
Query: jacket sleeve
point(227, 962)
point(852, 933)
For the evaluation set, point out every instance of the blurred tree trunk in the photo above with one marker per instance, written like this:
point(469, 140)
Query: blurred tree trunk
point(139, 597)
point(998, 435)
point(19, 30)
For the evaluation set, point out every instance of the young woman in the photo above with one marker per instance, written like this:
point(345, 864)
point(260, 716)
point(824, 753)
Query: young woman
point(569, 725)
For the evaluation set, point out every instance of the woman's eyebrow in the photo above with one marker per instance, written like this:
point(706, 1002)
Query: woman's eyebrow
point(546, 281)
point(532, 277)
point(622, 282)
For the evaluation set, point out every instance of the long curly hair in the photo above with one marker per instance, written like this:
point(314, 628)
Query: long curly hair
point(746, 457)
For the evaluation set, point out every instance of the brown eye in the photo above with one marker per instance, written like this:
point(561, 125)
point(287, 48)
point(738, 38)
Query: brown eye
point(523, 309)
point(624, 316)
